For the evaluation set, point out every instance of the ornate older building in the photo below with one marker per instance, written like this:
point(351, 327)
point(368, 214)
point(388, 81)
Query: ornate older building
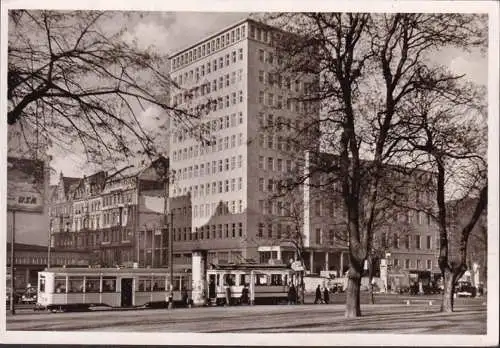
point(116, 218)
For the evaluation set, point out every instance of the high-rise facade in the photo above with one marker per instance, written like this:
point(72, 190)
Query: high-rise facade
point(226, 82)
point(232, 146)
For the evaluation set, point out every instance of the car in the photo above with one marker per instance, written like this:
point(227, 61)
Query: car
point(465, 289)
point(18, 293)
point(29, 296)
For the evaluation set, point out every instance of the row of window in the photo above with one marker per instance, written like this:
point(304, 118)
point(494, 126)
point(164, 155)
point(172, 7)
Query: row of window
point(220, 144)
point(77, 284)
point(273, 185)
point(275, 164)
point(278, 142)
point(271, 230)
point(224, 256)
point(218, 231)
point(206, 130)
point(221, 103)
point(407, 243)
point(216, 187)
point(218, 209)
point(208, 87)
point(209, 47)
point(203, 169)
point(408, 264)
point(292, 105)
point(277, 208)
point(42, 260)
point(274, 79)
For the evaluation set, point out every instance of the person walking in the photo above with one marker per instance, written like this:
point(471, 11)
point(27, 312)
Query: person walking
point(318, 298)
point(292, 294)
point(326, 295)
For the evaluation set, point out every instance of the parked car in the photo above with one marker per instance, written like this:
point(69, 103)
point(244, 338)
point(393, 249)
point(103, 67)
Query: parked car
point(18, 293)
point(29, 296)
point(465, 289)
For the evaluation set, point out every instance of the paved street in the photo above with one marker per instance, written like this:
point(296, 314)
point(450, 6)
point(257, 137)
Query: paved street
point(469, 318)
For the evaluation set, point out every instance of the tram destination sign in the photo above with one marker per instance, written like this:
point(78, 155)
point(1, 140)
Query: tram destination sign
point(25, 185)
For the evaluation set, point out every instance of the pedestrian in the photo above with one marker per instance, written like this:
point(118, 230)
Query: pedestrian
point(318, 298)
point(326, 295)
point(185, 297)
point(244, 295)
point(292, 294)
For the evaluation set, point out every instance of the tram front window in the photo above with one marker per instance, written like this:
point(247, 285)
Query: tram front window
point(41, 284)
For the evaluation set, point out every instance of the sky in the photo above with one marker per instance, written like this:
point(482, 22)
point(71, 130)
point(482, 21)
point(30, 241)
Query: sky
point(171, 31)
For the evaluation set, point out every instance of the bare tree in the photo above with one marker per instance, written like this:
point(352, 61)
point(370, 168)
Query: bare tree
point(76, 80)
point(446, 127)
point(367, 67)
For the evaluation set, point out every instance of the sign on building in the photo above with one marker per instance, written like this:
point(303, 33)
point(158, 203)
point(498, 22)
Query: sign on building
point(25, 185)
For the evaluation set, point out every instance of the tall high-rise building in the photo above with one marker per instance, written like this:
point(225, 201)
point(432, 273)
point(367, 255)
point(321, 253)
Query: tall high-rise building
point(232, 146)
point(222, 159)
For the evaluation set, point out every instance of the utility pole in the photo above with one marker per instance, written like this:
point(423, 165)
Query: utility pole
point(136, 222)
point(12, 268)
point(171, 258)
point(50, 240)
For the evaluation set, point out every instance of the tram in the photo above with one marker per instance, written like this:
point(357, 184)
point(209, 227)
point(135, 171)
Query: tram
point(248, 283)
point(76, 289)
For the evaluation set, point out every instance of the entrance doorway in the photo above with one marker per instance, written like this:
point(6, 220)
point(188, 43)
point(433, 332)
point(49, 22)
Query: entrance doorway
point(126, 292)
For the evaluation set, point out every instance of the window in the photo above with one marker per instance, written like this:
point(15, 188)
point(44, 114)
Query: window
point(261, 97)
point(428, 242)
point(318, 236)
point(261, 55)
point(419, 264)
point(240, 228)
point(60, 284)
point(240, 183)
point(407, 242)
point(396, 262)
point(261, 162)
point(261, 185)
point(407, 263)
point(429, 264)
point(270, 185)
point(417, 242)
point(279, 165)
point(261, 76)
point(270, 163)
point(395, 241)
point(75, 284)
point(270, 230)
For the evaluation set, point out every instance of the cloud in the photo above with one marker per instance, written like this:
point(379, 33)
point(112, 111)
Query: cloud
point(171, 31)
point(474, 66)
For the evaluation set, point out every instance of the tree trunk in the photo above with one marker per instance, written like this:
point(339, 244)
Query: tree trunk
point(449, 291)
point(353, 308)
